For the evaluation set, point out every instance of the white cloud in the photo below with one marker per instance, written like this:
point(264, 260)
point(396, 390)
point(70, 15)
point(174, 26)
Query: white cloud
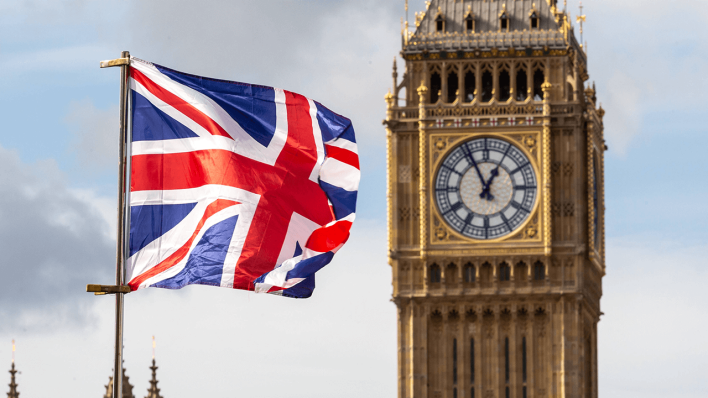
point(651, 340)
point(52, 245)
point(95, 134)
point(338, 53)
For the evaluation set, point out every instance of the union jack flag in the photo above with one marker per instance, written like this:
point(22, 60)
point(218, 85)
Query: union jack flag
point(235, 185)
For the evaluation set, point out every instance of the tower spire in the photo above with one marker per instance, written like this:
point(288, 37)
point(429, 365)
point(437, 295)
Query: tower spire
point(13, 385)
point(127, 387)
point(153, 391)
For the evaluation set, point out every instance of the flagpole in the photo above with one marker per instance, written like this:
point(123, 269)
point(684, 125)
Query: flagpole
point(120, 237)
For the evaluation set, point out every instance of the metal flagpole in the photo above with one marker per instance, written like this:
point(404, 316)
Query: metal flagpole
point(123, 221)
point(120, 250)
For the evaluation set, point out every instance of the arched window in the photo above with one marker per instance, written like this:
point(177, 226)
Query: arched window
point(539, 271)
point(452, 86)
point(470, 83)
point(569, 89)
point(486, 273)
point(523, 359)
point(439, 23)
point(538, 79)
point(435, 87)
point(469, 22)
point(469, 273)
point(450, 274)
point(504, 86)
point(472, 363)
point(521, 273)
point(522, 84)
point(487, 86)
point(506, 362)
point(533, 20)
point(504, 272)
point(435, 274)
point(454, 361)
point(503, 21)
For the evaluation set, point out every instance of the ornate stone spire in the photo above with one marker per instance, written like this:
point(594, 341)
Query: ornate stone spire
point(127, 387)
point(13, 385)
point(153, 391)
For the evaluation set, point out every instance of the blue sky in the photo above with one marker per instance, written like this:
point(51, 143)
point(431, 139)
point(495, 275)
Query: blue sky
point(58, 140)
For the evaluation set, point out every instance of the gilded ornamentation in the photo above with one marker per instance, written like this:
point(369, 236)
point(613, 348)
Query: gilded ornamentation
point(530, 142)
point(531, 231)
point(422, 164)
point(440, 144)
point(441, 234)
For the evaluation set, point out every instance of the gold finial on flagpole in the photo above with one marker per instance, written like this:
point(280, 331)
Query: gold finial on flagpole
point(13, 350)
point(153, 347)
point(580, 19)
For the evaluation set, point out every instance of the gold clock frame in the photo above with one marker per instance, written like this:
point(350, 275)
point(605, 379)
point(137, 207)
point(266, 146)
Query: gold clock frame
point(531, 236)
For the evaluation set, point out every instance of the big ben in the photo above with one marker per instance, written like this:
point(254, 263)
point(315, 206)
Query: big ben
point(495, 203)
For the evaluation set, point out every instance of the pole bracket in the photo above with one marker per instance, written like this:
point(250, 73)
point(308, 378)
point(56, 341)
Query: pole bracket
point(115, 62)
point(100, 290)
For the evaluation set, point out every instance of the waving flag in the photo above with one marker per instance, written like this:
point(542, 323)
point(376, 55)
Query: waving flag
point(235, 185)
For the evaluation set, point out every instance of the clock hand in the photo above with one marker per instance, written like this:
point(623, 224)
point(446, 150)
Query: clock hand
point(479, 173)
point(486, 192)
point(488, 186)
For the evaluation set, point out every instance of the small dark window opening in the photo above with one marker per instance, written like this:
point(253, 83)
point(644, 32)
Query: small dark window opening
point(452, 86)
point(504, 272)
point(451, 273)
point(504, 86)
point(454, 361)
point(538, 80)
point(454, 393)
point(472, 392)
point(522, 85)
point(534, 21)
point(539, 271)
point(470, 83)
point(507, 392)
point(504, 22)
point(469, 273)
point(439, 23)
point(435, 87)
point(472, 363)
point(523, 392)
point(486, 273)
point(506, 362)
point(435, 274)
point(569, 89)
point(469, 21)
point(487, 86)
point(523, 359)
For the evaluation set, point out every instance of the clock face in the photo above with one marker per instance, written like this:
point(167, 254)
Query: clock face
point(485, 188)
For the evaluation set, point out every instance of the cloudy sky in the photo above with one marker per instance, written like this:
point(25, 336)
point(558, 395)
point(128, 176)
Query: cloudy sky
point(57, 198)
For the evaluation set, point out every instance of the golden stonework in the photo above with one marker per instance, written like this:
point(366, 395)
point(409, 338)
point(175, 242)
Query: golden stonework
point(537, 288)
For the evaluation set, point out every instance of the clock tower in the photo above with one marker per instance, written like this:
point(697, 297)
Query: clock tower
point(495, 204)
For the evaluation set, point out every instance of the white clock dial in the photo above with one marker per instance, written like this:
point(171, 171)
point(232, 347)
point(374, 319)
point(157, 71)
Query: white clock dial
point(485, 188)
